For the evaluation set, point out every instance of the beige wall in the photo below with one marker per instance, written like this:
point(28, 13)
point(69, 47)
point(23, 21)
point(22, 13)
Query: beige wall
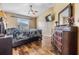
point(33, 23)
point(48, 27)
point(76, 14)
point(8, 21)
point(42, 24)
point(12, 22)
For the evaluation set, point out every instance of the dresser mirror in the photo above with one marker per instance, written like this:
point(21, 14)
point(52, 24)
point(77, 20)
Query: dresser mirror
point(64, 15)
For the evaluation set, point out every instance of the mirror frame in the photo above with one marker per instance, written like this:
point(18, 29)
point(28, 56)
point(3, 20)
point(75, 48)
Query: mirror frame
point(70, 12)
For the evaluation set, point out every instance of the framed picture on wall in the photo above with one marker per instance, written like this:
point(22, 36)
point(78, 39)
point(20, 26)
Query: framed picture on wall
point(50, 18)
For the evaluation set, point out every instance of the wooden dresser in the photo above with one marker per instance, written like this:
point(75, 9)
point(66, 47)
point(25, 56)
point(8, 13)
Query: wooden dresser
point(65, 40)
point(6, 45)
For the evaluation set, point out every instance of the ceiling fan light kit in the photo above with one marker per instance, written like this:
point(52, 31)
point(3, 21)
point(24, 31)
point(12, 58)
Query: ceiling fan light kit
point(31, 11)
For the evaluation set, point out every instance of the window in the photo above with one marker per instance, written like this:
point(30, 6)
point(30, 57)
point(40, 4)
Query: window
point(23, 24)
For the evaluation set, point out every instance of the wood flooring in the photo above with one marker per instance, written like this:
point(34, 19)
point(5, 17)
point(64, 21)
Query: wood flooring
point(43, 47)
point(34, 48)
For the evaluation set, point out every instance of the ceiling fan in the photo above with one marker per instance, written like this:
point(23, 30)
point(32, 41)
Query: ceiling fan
point(32, 11)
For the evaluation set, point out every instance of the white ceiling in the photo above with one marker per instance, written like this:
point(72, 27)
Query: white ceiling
point(23, 8)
